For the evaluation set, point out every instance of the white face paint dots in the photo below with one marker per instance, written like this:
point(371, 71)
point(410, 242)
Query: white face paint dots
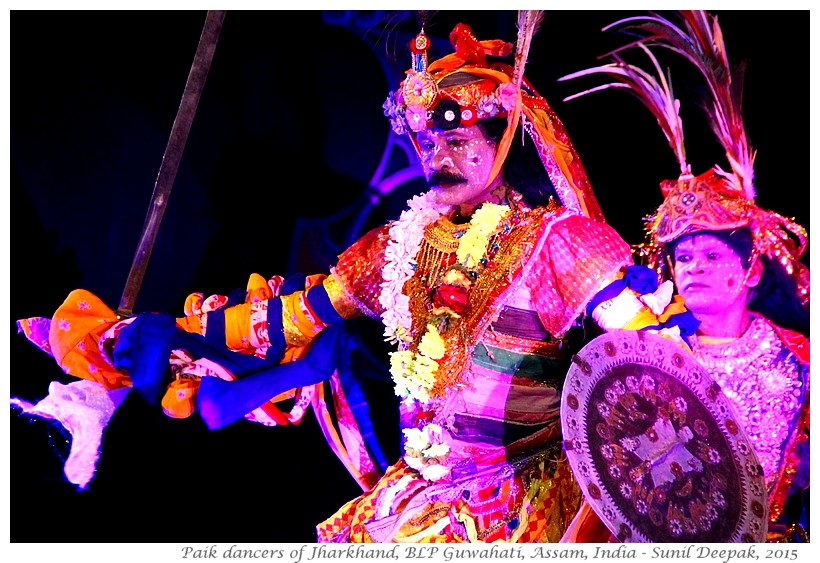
point(709, 274)
point(456, 164)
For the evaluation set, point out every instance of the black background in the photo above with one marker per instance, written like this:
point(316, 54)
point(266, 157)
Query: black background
point(289, 126)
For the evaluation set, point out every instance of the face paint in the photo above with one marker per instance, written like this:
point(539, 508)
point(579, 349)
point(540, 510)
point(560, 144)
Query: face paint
point(456, 164)
point(706, 272)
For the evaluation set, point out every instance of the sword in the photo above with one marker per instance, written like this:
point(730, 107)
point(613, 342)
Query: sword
point(170, 159)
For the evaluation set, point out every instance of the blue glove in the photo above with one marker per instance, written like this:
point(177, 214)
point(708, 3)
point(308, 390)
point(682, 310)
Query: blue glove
point(221, 402)
point(142, 350)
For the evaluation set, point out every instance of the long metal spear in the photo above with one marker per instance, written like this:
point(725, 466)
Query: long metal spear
point(170, 160)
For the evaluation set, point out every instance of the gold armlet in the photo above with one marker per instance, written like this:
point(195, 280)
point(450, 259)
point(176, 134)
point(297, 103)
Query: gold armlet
point(343, 304)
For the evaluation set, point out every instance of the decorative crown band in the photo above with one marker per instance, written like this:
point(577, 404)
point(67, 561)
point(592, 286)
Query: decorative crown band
point(454, 97)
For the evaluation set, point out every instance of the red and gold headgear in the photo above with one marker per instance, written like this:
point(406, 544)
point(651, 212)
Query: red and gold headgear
point(716, 200)
point(463, 88)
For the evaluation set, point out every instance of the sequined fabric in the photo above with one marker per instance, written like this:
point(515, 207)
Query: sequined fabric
point(700, 203)
point(768, 388)
point(359, 270)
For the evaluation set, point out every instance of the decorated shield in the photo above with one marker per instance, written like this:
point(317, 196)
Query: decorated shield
point(656, 447)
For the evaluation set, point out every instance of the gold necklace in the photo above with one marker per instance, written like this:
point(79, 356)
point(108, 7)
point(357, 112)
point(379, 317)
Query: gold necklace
point(438, 248)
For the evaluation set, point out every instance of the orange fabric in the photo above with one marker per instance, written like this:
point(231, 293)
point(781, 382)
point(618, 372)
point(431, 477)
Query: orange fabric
point(237, 318)
point(587, 527)
point(300, 322)
point(643, 319)
point(74, 339)
point(674, 308)
point(295, 335)
point(193, 303)
point(308, 321)
point(237, 322)
point(552, 132)
point(257, 289)
point(238, 326)
point(180, 398)
point(190, 323)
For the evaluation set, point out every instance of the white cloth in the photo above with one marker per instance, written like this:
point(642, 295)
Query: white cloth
point(84, 408)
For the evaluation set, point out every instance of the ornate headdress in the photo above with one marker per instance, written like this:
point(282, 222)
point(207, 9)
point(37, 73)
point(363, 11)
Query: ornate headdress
point(463, 88)
point(716, 200)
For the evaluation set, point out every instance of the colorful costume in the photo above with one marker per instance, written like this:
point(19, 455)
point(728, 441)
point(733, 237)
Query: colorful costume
point(481, 314)
point(484, 428)
point(765, 371)
point(765, 374)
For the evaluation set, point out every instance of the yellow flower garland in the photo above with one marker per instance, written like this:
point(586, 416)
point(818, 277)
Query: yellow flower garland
point(414, 374)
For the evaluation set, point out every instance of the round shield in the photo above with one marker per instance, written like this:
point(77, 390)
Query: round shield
point(656, 447)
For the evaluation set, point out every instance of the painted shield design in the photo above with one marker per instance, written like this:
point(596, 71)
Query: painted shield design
point(656, 447)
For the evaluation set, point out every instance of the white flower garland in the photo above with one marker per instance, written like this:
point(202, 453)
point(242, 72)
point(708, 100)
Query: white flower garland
point(405, 240)
point(427, 451)
point(415, 373)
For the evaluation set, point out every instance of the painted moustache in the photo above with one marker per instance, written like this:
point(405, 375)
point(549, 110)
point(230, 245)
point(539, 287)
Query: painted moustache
point(446, 179)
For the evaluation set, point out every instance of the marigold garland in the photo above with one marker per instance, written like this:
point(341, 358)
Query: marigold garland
point(414, 373)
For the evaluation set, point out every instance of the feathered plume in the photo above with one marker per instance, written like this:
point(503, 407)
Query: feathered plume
point(700, 41)
point(655, 94)
point(528, 23)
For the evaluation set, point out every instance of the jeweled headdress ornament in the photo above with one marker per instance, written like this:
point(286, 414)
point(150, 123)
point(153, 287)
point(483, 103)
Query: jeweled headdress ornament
point(465, 87)
point(716, 200)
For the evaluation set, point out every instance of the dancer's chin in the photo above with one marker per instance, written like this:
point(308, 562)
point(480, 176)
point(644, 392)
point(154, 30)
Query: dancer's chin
point(444, 193)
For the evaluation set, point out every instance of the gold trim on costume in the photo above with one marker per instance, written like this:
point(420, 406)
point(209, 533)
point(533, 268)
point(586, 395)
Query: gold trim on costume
point(490, 281)
point(341, 301)
point(293, 336)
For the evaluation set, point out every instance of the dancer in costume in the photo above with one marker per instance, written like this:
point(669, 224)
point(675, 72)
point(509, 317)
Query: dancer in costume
point(479, 284)
point(737, 266)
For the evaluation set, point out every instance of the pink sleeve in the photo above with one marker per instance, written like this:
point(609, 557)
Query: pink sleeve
point(572, 259)
point(359, 270)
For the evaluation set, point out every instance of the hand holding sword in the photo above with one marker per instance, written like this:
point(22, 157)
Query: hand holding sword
point(72, 336)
